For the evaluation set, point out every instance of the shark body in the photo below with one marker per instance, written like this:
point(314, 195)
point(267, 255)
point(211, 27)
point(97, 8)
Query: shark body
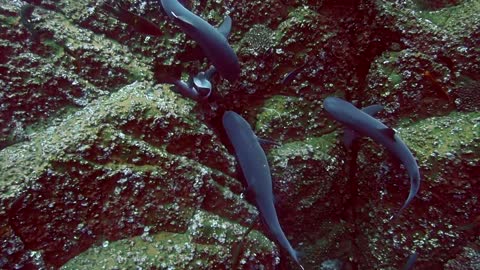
point(212, 41)
point(256, 171)
point(363, 123)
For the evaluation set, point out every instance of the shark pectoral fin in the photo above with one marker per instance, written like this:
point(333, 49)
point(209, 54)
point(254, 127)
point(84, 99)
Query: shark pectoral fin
point(372, 109)
point(225, 26)
point(389, 132)
point(201, 82)
point(262, 142)
point(349, 136)
point(183, 20)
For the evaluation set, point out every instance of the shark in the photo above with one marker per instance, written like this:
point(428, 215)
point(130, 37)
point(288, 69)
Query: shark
point(213, 41)
point(198, 87)
point(363, 123)
point(139, 23)
point(411, 261)
point(256, 171)
point(202, 82)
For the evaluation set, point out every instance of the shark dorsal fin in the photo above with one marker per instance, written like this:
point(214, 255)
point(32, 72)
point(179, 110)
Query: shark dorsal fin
point(389, 132)
point(225, 27)
point(372, 109)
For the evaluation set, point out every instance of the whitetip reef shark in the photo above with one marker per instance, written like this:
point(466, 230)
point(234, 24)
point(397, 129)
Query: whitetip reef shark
point(198, 87)
point(256, 171)
point(362, 122)
point(411, 261)
point(212, 41)
point(139, 23)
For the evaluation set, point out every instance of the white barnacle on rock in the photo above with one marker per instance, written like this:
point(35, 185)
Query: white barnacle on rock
point(105, 244)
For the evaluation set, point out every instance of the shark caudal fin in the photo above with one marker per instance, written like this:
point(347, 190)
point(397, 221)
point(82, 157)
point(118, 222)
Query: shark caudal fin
point(400, 211)
point(414, 187)
point(296, 257)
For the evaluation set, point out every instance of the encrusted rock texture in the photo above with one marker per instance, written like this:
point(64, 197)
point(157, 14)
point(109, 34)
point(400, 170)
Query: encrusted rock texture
point(103, 166)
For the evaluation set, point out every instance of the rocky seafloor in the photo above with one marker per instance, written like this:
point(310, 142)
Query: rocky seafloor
point(103, 166)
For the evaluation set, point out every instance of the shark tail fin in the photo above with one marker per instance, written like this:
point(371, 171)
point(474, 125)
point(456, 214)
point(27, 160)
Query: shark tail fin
point(395, 217)
point(297, 257)
point(414, 187)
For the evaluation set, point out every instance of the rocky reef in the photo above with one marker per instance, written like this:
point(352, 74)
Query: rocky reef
point(103, 166)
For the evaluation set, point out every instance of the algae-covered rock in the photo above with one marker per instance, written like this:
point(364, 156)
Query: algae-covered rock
point(51, 65)
point(443, 216)
point(435, 64)
point(107, 173)
point(103, 166)
point(409, 81)
point(290, 118)
point(193, 249)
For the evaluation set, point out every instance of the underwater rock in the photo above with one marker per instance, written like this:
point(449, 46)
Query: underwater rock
point(433, 62)
point(469, 259)
point(179, 250)
point(410, 83)
point(54, 66)
point(442, 219)
point(290, 118)
point(83, 163)
point(434, 5)
point(467, 95)
point(105, 173)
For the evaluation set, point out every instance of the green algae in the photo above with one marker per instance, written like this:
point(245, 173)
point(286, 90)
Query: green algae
point(258, 40)
point(213, 229)
point(275, 108)
point(386, 67)
point(442, 136)
point(9, 20)
point(156, 250)
point(455, 19)
point(190, 250)
point(311, 148)
point(58, 49)
point(298, 17)
point(33, 157)
point(283, 117)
